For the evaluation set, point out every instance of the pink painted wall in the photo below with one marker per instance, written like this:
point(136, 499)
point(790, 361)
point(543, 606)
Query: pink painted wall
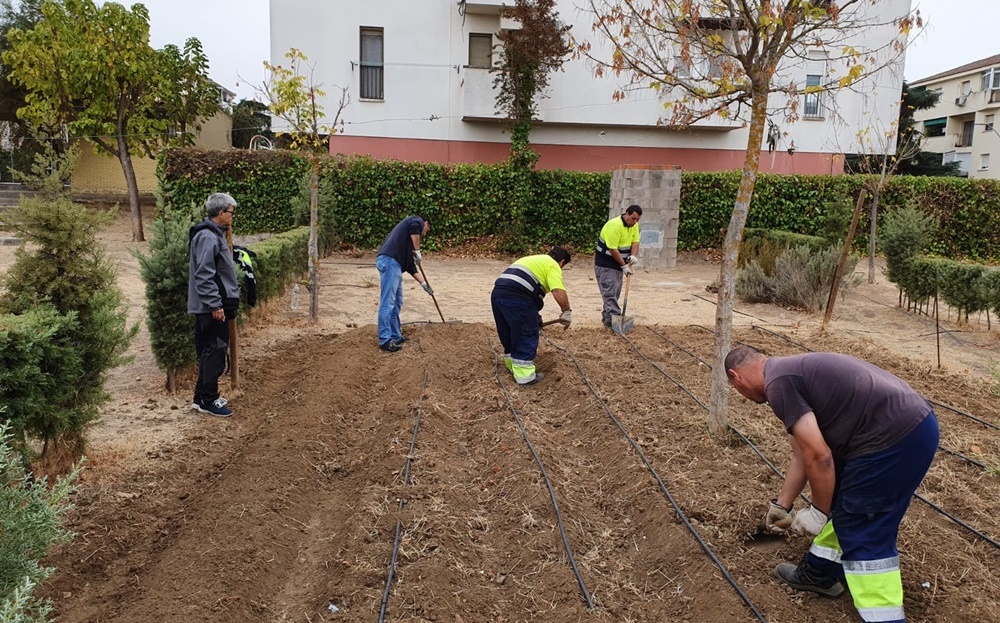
point(585, 157)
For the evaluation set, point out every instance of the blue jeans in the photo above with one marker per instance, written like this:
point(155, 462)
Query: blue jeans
point(390, 300)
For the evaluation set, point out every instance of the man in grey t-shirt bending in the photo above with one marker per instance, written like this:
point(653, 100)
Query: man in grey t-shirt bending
point(863, 439)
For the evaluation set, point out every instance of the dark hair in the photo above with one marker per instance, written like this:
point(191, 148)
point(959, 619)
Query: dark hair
point(424, 218)
point(559, 254)
point(741, 356)
point(633, 209)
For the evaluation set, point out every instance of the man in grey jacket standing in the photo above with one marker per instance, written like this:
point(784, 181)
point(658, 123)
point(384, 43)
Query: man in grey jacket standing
point(213, 299)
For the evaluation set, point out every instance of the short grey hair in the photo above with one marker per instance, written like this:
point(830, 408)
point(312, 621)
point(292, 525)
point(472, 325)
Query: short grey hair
point(217, 202)
point(741, 356)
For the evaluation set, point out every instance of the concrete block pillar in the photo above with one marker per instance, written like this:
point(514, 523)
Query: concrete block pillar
point(657, 189)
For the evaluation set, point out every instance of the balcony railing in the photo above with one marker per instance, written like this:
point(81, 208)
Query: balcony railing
point(372, 82)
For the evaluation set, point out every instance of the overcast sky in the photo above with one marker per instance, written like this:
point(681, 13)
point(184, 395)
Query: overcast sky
point(236, 35)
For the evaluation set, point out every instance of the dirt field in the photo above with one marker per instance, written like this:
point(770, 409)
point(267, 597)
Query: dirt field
point(290, 509)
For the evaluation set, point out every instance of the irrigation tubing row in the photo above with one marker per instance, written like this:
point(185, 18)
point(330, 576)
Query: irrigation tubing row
point(959, 455)
point(545, 477)
point(934, 506)
point(933, 402)
point(663, 487)
point(402, 502)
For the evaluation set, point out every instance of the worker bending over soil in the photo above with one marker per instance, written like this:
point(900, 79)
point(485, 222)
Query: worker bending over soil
point(517, 300)
point(399, 252)
point(617, 249)
point(863, 439)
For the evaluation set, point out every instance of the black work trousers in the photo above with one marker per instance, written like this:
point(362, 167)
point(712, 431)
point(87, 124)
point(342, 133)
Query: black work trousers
point(211, 342)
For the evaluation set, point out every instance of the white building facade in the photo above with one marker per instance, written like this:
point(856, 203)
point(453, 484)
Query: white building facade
point(417, 73)
point(962, 124)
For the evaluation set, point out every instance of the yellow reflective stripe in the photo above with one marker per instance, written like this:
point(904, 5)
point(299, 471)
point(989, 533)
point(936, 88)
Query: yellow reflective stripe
point(881, 592)
point(524, 371)
point(509, 362)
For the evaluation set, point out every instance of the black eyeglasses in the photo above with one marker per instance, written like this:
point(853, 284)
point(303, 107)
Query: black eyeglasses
point(229, 211)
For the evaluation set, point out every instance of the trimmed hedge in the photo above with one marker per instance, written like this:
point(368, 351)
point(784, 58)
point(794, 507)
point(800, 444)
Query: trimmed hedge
point(361, 199)
point(262, 182)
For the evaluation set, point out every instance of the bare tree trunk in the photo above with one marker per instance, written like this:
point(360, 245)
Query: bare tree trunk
point(314, 240)
point(872, 240)
point(718, 418)
point(133, 186)
point(171, 381)
point(839, 272)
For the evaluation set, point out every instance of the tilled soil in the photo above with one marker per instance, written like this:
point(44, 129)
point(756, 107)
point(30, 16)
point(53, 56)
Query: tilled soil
point(290, 510)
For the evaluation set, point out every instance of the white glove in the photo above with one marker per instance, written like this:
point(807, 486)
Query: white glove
point(778, 520)
point(626, 269)
point(633, 260)
point(809, 521)
point(427, 288)
point(566, 318)
point(417, 257)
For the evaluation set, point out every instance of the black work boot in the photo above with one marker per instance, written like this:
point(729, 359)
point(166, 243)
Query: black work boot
point(806, 578)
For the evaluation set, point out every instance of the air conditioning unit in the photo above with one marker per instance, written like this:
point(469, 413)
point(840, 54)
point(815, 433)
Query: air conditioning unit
point(960, 101)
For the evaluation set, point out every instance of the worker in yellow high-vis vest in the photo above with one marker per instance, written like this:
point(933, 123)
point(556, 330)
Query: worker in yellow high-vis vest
point(517, 300)
point(617, 252)
point(863, 439)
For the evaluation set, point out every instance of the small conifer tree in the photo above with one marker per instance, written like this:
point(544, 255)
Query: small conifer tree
point(165, 272)
point(66, 267)
point(30, 516)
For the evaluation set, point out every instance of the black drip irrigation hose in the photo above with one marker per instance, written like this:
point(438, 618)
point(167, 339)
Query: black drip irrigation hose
point(934, 506)
point(663, 487)
point(933, 402)
point(545, 477)
point(677, 346)
point(402, 502)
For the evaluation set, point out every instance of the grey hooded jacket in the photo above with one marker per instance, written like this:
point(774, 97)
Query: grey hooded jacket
point(212, 275)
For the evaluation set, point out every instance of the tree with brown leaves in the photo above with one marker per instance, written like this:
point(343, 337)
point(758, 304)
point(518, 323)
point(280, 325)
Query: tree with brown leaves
point(741, 60)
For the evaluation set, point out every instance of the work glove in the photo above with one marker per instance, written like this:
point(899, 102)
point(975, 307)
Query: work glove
point(417, 257)
point(566, 318)
point(427, 288)
point(809, 521)
point(626, 269)
point(633, 260)
point(778, 520)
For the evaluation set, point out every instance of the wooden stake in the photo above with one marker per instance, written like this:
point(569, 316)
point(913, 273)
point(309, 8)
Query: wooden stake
point(234, 361)
point(839, 273)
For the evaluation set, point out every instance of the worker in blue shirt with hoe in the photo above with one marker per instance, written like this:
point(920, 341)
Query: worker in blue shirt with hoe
point(400, 252)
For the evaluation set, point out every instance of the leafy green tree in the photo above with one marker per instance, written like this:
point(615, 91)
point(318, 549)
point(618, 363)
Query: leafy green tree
point(250, 119)
point(292, 97)
point(31, 516)
point(91, 68)
point(65, 266)
point(527, 55)
point(723, 59)
point(165, 272)
point(188, 95)
point(21, 15)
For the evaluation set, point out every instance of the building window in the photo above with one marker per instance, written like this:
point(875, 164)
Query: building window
point(985, 162)
point(480, 50)
point(965, 88)
point(935, 127)
point(991, 79)
point(811, 110)
point(372, 64)
point(965, 140)
point(988, 122)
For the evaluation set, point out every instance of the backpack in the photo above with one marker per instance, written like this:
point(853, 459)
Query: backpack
point(244, 257)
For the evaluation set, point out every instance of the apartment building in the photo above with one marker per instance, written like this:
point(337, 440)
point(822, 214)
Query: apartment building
point(420, 87)
point(961, 126)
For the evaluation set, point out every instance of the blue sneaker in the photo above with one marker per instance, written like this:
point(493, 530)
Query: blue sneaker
point(216, 407)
